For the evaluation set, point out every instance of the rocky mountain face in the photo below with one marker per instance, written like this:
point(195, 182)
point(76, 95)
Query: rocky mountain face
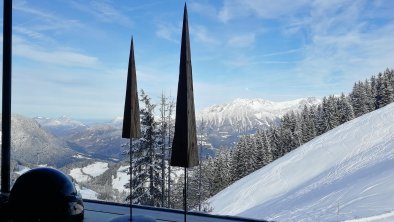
point(32, 144)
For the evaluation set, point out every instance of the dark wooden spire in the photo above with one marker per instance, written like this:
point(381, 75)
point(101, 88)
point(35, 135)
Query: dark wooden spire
point(131, 116)
point(184, 146)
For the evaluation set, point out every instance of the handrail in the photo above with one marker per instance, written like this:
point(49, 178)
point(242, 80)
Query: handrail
point(173, 211)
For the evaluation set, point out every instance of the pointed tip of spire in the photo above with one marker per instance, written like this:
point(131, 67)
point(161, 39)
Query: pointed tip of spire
point(185, 9)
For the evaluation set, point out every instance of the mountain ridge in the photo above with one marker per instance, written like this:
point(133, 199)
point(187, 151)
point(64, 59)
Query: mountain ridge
point(250, 113)
point(30, 143)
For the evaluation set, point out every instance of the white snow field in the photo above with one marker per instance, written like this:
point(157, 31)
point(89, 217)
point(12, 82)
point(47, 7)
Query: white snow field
point(344, 174)
point(90, 171)
point(86, 193)
point(121, 179)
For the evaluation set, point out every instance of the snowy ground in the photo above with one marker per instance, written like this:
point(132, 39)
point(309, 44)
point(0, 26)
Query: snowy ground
point(345, 174)
point(86, 173)
point(387, 217)
point(81, 156)
point(19, 169)
point(86, 193)
point(121, 179)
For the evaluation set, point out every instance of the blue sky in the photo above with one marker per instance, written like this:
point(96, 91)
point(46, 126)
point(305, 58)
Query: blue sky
point(70, 57)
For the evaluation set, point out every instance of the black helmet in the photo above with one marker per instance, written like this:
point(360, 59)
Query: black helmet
point(45, 194)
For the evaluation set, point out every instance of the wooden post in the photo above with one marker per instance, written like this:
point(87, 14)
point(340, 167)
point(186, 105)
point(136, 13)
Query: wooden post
point(6, 102)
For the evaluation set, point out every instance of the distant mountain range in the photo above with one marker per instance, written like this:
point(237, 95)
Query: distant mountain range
point(61, 127)
point(225, 122)
point(56, 140)
point(246, 114)
point(32, 144)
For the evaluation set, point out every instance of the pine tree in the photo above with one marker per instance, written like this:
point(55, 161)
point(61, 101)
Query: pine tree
point(379, 98)
point(387, 89)
point(373, 93)
point(275, 142)
point(370, 102)
point(330, 113)
point(148, 158)
point(345, 109)
point(360, 102)
point(170, 132)
point(260, 149)
point(319, 120)
point(298, 138)
point(240, 159)
point(268, 154)
point(250, 154)
point(307, 124)
point(162, 132)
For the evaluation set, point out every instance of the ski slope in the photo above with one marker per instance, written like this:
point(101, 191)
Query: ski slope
point(344, 174)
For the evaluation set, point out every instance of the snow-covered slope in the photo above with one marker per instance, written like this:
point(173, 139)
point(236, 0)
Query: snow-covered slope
point(121, 179)
point(346, 173)
point(88, 172)
point(31, 144)
point(250, 113)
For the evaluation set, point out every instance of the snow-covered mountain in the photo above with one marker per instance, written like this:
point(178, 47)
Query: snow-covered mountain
point(250, 113)
point(61, 127)
point(32, 144)
point(224, 123)
point(344, 174)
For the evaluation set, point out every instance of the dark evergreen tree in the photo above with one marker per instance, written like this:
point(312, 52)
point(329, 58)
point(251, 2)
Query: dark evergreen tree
point(250, 154)
point(260, 149)
point(379, 98)
point(369, 99)
point(239, 166)
point(373, 93)
point(275, 142)
point(308, 130)
point(330, 113)
point(345, 109)
point(148, 158)
point(360, 102)
point(268, 154)
point(387, 89)
point(319, 120)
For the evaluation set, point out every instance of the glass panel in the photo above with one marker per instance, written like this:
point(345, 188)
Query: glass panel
point(276, 86)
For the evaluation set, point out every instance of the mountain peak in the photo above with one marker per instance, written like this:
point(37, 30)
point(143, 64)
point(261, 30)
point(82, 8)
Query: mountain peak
point(250, 113)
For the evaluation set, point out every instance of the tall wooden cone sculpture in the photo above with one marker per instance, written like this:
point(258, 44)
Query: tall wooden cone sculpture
point(184, 146)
